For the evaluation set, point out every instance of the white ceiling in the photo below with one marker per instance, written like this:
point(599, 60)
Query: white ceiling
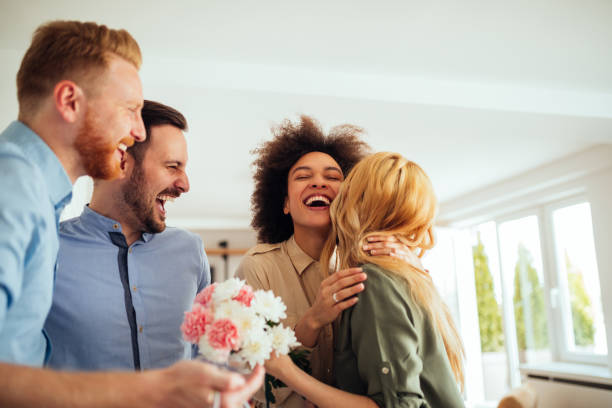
point(474, 91)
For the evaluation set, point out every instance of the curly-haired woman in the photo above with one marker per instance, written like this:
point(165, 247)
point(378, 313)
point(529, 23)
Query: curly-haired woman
point(298, 174)
point(398, 346)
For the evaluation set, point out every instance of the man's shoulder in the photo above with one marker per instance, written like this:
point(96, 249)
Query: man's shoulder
point(179, 233)
point(21, 178)
point(72, 228)
point(15, 162)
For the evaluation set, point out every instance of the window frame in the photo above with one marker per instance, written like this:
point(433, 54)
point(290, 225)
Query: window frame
point(561, 314)
point(555, 303)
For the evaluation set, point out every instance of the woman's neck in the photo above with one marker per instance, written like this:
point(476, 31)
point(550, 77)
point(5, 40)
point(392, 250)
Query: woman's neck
point(311, 241)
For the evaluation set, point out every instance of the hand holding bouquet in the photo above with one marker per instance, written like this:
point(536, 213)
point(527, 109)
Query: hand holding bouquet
point(232, 324)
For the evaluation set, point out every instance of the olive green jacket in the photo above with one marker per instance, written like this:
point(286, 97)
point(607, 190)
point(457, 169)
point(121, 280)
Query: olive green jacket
point(388, 350)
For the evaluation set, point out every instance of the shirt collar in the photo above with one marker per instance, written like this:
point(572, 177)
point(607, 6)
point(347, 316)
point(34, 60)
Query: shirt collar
point(300, 259)
point(106, 224)
point(40, 154)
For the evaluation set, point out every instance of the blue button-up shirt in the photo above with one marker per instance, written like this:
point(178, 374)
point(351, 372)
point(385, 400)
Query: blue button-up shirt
point(120, 307)
point(35, 189)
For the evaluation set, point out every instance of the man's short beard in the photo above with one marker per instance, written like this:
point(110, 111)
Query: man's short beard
point(97, 155)
point(138, 202)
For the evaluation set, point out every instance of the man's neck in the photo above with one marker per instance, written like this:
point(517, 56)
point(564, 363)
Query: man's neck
point(57, 137)
point(103, 207)
point(310, 241)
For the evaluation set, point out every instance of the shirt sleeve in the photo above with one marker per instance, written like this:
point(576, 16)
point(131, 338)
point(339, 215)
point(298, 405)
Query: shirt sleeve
point(204, 265)
point(385, 343)
point(18, 221)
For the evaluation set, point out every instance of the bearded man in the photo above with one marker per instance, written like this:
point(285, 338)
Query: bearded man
point(124, 311)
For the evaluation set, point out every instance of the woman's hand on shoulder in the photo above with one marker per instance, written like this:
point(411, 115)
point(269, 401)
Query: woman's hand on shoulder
point(336, 293)
point(391, 246)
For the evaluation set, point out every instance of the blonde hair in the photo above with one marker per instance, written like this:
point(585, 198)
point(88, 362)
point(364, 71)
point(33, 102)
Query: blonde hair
point(385, 194)
point(69, 50)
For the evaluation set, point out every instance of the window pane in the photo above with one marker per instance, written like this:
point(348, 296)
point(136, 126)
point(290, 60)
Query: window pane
point(523, 275)
point(489, 298)
point(579, 283)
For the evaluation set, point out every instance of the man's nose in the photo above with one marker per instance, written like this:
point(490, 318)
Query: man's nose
point(138, 130)
point(182, 183)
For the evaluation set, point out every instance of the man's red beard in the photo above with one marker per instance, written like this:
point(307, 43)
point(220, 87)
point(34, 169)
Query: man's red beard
point(97, 154)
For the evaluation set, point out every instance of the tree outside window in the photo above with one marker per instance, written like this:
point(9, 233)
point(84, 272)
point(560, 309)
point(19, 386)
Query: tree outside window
point(529, 306)
point(489, 311)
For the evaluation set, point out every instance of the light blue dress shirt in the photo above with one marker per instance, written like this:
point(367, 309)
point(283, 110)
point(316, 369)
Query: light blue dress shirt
point(35, 189)
point(120, 307)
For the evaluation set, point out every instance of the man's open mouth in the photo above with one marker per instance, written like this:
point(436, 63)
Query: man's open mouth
point(161, 201)
point(122, 147)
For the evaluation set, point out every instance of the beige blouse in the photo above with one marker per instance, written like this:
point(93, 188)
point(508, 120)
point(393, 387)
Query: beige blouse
point(294, 276)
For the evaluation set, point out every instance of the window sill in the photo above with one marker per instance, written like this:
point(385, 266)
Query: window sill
point(569, 373)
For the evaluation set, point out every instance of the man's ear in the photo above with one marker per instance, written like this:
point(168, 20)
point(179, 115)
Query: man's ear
point(286, 206)
point(126, 166)
point(69, 100)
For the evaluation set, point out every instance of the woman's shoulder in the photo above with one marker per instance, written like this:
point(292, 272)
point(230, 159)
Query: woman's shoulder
point(262, 259)
point(386, 284)
point(380, 274)
point(260, 250)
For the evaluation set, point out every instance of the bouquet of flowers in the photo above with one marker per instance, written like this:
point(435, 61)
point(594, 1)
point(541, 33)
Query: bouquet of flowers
point(236, 326)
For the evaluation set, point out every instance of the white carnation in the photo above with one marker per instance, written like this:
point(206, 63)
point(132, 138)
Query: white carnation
point(283, 339)
point(230, 309)
point(269, 306)
point(226, 290)
point(257, 350)
point(250, 327)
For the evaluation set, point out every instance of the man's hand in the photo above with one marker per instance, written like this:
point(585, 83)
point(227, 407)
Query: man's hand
point(193, 384)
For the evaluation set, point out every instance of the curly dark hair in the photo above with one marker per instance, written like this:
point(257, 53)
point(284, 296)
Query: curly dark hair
point(276, 157)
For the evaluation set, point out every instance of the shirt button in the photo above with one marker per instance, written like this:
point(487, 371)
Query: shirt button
point(385, 370)
point(140, 329)
point(115, 226)
point(134, 288)
point(130, 250)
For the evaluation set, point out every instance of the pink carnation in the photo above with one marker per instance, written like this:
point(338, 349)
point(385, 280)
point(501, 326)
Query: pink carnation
point(194, 325)
point(245, 296)
point(205, 296)
point(223, 334)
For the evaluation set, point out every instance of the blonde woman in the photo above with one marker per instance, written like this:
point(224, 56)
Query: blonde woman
point(398, 346)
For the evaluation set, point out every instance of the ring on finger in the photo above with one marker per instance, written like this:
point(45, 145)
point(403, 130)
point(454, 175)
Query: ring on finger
point(335, 297)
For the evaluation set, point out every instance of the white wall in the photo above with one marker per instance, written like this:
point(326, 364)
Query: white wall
point(236, 239)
